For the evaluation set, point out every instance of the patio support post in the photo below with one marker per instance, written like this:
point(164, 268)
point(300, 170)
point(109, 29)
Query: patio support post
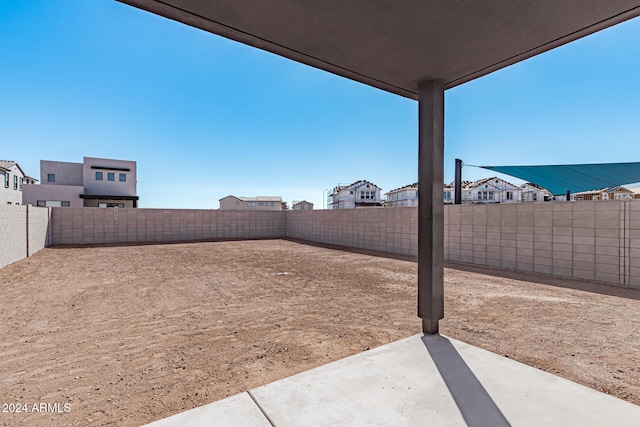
point(431, 204)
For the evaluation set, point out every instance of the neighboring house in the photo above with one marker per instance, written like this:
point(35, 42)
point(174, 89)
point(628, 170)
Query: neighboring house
point(260, 203)
point(403, 196)
point(635, 193)
point(359, 194)
point(611, 193)
point(302, 205)
point(491, 190)
point(530, 192)
point(13, 180)
point(93, 183)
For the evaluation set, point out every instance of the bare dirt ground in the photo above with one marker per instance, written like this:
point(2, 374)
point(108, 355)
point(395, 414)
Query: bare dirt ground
point(131, 334)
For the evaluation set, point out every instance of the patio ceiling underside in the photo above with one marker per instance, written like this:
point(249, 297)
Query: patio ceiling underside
point(396, 45)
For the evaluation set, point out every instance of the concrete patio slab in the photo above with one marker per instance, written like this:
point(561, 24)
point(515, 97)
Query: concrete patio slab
point(417, 381)
point(238, 410)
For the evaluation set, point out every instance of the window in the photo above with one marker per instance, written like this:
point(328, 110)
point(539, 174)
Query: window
point(535, 197)
point(306, 207)
point(98, 176)
point(65, 203)
point(123, 177)
point(21, 182)
point(509, 195)
point(296, 207)
point(51, 177)
point(251, 204)
point(260, 203)
point(15, 182)
point(6, 179)
point(41, 203)
point(272, 204)
point(111, 176)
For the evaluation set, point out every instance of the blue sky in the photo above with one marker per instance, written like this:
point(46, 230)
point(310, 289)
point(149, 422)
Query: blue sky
point(206, 117)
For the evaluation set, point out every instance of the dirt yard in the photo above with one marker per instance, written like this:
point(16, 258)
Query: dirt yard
point(131, 334)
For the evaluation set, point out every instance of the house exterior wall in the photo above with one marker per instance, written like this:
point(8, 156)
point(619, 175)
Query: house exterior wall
point(8, 194)
point(31, 193)
point(532, 194)
point(24, 230)
point(66, 173)
point(303, 206)
point(106, 187)
point(349, 197)
point(235, 204)
point(499, 192)
point(402, 198)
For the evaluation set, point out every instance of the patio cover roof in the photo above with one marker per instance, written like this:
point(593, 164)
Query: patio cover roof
point(574, 178)
point(395, 45)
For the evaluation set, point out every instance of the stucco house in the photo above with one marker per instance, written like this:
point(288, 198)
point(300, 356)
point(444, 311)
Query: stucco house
point(301, 205)
point(361, 193)
point(95, 182)
point(403, 196)
point(13, 181)
point(491, 190)
point(259, 203)
point(611, 193)
point(530, 192)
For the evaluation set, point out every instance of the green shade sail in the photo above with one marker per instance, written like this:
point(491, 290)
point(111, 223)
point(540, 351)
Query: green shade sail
point(574, 178)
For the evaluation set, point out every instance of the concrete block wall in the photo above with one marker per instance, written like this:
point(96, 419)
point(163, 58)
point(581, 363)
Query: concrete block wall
point(382, 229)
point(14, 233)
point(583, 240)
point(100, 225)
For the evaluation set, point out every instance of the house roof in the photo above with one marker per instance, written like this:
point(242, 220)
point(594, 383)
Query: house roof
point(488, 181)
point(613, 189)
point(354, 185)
point(296, 202)
point(530, 184)
point(256, 199)
point(406, 187)
point(396, 45)
point(8, 164)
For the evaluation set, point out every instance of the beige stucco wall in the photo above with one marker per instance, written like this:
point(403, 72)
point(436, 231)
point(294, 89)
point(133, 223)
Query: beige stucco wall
point(67, 173)
point(234, 204)
point(9, 195)
point(106, 187)
point(31, 193)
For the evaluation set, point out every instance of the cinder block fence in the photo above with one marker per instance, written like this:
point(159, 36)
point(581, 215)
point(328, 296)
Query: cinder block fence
point(585, 240)
point(24, 230)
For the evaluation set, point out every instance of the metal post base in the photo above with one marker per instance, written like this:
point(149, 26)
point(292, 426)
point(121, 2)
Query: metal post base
point(429, 327)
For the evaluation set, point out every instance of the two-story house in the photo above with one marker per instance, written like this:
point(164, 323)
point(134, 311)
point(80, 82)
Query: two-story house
point(359, 194)
point(13, 180)
point(259, 203)
point(301, 205)
point(403, 196)
point(534, 193)
point(95, 182)
point(491, 190)
point(610, 193)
